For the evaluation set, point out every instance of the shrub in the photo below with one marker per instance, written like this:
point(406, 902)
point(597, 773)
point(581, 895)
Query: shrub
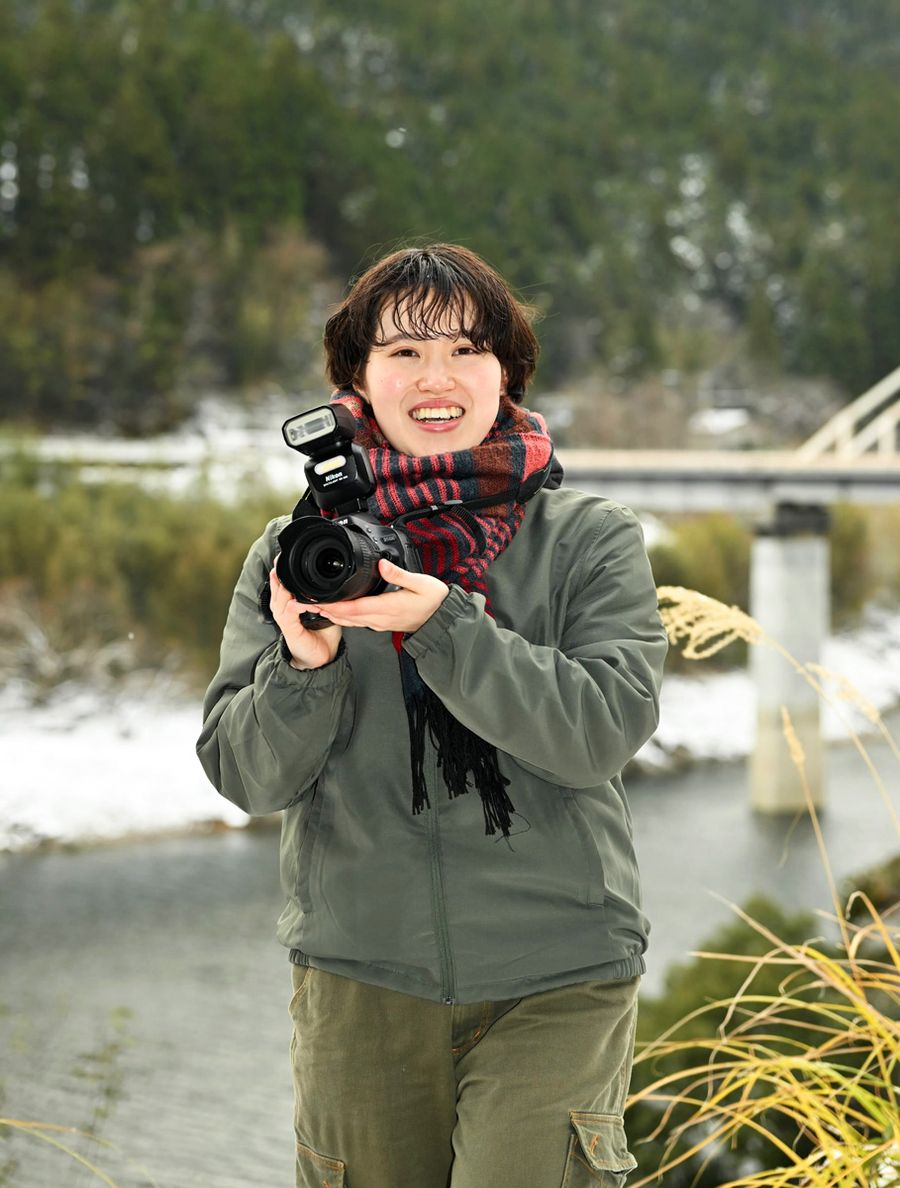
point(84, 567)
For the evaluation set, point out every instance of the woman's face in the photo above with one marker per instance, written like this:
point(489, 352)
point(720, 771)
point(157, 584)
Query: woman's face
point(432, 395)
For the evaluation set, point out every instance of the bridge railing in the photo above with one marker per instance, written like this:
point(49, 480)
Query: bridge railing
point(841, 434)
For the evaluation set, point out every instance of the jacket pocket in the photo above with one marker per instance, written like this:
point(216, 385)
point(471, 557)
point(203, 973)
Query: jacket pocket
point(299, 825)
point(299, 984)
point(598, 1152)
point(315, 1171)
point(594, 894)
point(299, 836)
point(345, 725)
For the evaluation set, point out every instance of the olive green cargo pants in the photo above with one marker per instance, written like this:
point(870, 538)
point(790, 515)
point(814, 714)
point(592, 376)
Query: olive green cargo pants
point(393, 1091)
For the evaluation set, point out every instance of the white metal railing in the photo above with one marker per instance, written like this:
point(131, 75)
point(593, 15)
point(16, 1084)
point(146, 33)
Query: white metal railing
point(840, 433)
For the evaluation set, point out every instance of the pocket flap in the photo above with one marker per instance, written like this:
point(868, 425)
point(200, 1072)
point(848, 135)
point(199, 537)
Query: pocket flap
point(603, 1143)
point(316, 1171)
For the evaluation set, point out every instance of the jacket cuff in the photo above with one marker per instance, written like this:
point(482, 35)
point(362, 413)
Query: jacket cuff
point(457, 606)
point(284, 673)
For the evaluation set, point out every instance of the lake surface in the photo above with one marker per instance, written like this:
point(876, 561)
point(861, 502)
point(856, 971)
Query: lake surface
point(143, 995)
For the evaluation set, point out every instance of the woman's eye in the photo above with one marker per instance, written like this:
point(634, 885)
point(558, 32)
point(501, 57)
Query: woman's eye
point(404, 353)
point(468, 350)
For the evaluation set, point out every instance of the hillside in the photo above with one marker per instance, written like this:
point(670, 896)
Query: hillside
point(186, 184)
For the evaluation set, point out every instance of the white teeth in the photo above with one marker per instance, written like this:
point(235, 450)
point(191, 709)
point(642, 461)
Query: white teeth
point(449, 413)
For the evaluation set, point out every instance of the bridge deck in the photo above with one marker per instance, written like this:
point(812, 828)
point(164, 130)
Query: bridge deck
point(706, 462)
point(735, 480)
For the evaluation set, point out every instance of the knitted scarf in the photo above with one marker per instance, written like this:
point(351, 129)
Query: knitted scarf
point(495, 479)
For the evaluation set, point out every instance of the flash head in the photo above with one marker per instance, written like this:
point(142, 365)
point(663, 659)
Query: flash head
point(338, 470)
point(324, 428)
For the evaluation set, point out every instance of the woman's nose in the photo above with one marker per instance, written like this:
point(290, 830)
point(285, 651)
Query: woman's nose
point(435, 377)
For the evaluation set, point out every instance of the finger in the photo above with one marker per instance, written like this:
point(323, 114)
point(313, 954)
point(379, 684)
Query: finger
point(375, 606)
point(280, 595)
point(364, 612)
point(353, 608)
point(399, 577)
point(279, 587)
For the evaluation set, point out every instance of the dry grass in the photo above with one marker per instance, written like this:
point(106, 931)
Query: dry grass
point(52, 1134)
point(47, 1132)
point(837, 1085)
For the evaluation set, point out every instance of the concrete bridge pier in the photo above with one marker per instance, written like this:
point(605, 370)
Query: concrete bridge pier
point(790, 599)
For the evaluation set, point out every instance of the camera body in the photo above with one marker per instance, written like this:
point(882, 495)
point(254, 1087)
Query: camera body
point(328, 560)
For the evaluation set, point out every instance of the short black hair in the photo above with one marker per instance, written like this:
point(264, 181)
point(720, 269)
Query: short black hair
point(435, 290)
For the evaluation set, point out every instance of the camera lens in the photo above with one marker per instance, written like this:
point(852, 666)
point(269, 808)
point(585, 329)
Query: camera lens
point(330, 564)
point(325, 562)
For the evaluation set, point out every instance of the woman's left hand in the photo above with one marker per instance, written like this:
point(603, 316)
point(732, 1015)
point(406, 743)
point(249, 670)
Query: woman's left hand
point(404, 610)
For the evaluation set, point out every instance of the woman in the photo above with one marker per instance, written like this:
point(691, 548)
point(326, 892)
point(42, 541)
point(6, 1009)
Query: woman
point(463, 912)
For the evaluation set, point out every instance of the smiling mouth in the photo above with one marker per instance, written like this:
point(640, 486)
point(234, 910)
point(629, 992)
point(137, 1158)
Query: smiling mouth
point(450, 412)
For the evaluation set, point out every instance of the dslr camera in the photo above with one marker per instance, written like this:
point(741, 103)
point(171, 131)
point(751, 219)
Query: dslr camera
point(327, 560)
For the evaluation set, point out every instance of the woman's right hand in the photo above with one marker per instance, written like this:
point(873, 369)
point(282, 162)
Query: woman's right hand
point(309, 649)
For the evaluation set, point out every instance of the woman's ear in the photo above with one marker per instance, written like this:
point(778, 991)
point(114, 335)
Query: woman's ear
point(503, 379)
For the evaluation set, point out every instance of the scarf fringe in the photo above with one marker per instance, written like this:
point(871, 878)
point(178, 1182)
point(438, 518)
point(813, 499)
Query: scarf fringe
point(459, 753)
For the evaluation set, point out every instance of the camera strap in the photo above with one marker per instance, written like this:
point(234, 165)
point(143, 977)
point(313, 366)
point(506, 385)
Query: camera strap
point(548, 476)
point(304, 507)
point(452, 507)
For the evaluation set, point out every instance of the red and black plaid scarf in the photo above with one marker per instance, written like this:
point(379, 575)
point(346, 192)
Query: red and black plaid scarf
point(498, 476)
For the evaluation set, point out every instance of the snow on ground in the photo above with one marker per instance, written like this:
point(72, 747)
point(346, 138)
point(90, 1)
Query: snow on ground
point(711, 716)
point(86, 767)
point(90, 765)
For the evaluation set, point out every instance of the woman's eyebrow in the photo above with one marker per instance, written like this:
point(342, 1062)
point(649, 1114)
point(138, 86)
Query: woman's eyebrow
point(393, 338)
point(385, 342)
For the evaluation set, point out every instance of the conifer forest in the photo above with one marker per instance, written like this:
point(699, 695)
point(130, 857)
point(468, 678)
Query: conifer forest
point(187, 185)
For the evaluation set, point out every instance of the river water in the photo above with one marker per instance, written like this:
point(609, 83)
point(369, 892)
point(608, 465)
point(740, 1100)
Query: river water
point(143, 995)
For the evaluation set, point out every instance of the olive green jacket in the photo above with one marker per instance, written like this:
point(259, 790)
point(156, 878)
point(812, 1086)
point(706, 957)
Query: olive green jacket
point(562, 677)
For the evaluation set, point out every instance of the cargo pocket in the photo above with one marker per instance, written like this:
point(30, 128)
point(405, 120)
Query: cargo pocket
point(315, 1171)
point(598, 1152)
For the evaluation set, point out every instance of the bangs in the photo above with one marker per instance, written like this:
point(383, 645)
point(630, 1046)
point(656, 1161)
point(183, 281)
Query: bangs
point(426, 314)
point(432, 297)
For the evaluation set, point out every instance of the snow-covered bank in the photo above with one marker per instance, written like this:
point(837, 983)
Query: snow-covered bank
point(711, 715)
point(89, 766)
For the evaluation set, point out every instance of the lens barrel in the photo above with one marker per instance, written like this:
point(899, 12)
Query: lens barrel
point(325, 562)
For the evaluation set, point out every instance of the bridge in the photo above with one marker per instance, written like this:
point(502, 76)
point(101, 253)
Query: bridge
point(854, 458)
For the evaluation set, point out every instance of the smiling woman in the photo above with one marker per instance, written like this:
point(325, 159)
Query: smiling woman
point(474, 1001)
point(420, 388)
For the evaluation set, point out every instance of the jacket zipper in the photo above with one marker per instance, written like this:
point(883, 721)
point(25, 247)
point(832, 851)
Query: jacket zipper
point(438, 903)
